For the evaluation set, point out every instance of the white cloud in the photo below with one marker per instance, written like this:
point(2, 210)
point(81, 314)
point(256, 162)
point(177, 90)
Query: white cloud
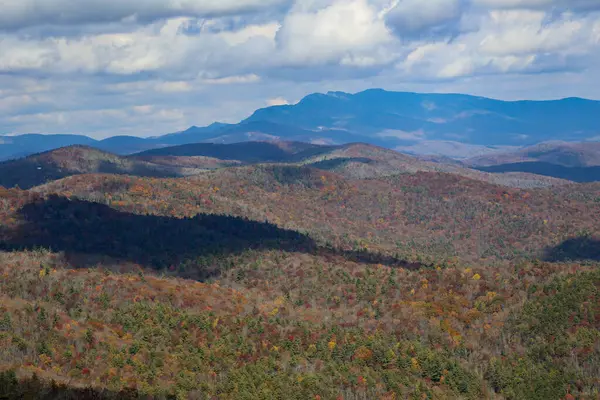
point(228, 80)
point(173, 87)
point(277, 101)
point(507, 41)
point(524, 32)
point(344, 30)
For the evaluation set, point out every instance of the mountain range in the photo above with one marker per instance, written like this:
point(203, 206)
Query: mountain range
point(454, 125)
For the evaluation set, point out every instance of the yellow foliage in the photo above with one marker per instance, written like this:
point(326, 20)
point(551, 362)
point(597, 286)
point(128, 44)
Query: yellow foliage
point(414, 363)
point(45, 359)
point(331, 345)
point(476, 277)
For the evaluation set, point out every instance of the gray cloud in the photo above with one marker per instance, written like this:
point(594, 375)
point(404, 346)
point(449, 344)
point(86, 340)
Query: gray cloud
point(159, 66)
point(416, 18)
point(17, 14)
point(576, 5)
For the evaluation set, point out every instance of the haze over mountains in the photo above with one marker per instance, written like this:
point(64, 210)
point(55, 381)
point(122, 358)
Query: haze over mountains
point(453, 125)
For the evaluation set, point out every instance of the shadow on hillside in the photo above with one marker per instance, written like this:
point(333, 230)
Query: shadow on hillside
point(575, 174)
point(339, 162)
point(582, 248)
point(85, 231)
point(34, 388)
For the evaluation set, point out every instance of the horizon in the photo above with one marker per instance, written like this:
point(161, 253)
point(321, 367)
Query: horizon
point(146, 69)
point(160, 134)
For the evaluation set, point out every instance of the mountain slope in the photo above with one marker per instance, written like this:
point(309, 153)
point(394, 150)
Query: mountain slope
point(290, 282)
point(430, 215)
point(247, 152)
point(566, 154)
point(574, 174)
point(56, 164)
point(402, 118)
point(364, 161)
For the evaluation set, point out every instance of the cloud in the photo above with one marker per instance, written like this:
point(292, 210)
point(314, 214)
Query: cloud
point(346, 31)
point(17, 14)
point(508, 41)
point(576, 5)
point(173, 87)
point(524, 32)
point(277, 101)
point(416, 18)
point(160, 65)
point(237, 79)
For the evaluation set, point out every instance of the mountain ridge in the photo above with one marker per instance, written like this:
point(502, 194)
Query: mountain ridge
point(397, 120)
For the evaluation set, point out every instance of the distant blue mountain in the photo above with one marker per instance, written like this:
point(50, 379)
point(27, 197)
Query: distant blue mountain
point(389, 119)
point(194, 134)
point(462, 118)
point(23, 145)
point(575, 174)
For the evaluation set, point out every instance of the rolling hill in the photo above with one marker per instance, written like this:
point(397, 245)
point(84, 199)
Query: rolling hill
point(247, 152)
point(578, 162)
point(566, 154)
point(353, 161)
point(286, 281)
point(73, 160)
point(574, 174)
point(419, 215)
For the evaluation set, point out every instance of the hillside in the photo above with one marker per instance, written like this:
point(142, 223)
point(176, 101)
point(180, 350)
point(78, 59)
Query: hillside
point(353, 161)
point(285, 270)
point(246, 152)
point(363, 161)
point(196, 162)
point(280, 281)
point(566, 154)
point(425, 215)
point(56, 164)
point(574, 174)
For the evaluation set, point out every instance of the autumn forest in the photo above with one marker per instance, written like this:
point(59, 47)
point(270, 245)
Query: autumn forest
point(310, 273)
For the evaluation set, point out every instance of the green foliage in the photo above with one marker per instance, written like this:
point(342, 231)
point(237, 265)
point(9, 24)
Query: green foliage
point(559, 328)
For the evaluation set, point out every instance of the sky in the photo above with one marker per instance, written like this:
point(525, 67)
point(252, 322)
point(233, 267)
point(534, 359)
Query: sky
point(148, 67)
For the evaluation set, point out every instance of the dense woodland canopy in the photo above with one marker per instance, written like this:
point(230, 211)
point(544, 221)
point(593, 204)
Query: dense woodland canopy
point(295, 282)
